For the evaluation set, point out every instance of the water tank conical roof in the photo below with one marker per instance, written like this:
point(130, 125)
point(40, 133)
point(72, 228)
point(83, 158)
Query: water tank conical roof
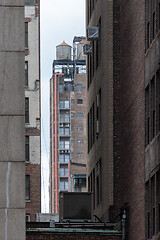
point(63, 51)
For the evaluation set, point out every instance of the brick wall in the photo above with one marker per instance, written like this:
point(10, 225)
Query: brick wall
point(34, 205)
point(116, 107)
point(132, 42)
point(70, 236)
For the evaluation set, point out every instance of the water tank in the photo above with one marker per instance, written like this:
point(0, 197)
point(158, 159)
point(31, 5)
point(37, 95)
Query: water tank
point(80, 54)
point(63, 51)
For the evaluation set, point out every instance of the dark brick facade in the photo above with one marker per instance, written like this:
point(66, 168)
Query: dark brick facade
point(71, 236)
point(116, 107)
point(128, 112)
point(33, 205)
point(132, 121)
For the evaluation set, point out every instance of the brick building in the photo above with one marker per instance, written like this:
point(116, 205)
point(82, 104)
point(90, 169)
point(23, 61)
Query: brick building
point(70, 231)
point(68, 148)
point(123, 77)
point(32, 109)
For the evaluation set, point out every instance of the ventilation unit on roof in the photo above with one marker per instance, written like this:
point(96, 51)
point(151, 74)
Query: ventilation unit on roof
point(92, 33)
point(87, 49)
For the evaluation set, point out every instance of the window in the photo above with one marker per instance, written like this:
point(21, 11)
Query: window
point(158, 94)
point(158, 207)
point(98, 45)
point(27, 217)
point(61, 88)
point(80, 155)
point(80, 128)
point(153, 204)
point(61, 158)
point(64, 131)
point(153, 19)
point(79, 101)
point(67, 117)
point(66, 158)
point(26, 110)
point(66, 104)
point(61, 131)
point(77, 70)
point(79, 182)
point(29, 2)
point(63, 172)
point(27, 187)
point(66, 144)
point(63, 186)
point(147, 24)
point(79, 88)
point(27, 148)
point(91, 127)
point(147, 137)
point(26, 34)
point(98, 113)
point(26, 73)
point(67, 131)
point(80, 115)
point(153, 106)
point(64, 117)
point(99, 181)
point(80, 142)
point(61, 144)
point(61, 103)
point(147, 210)
point(64, 70)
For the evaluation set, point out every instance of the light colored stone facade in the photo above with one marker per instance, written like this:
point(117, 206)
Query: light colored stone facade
point(12, 169)
point(32, 92)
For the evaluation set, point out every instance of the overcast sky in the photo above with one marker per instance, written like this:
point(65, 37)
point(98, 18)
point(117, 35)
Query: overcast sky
point(60, 20)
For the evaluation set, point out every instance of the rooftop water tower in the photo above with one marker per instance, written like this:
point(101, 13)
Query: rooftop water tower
point(63, 51)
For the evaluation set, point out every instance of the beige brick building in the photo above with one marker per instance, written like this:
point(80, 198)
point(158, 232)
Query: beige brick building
point(32, 109)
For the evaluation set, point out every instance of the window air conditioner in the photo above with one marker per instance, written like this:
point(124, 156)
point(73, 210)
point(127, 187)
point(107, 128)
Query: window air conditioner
point(87, 49)
point(92, 33)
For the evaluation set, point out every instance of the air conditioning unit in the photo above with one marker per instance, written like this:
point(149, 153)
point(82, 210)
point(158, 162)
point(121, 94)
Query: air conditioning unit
point(92, 33)
point(87, 49)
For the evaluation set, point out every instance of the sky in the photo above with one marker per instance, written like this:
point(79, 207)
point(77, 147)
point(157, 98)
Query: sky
point(61, 20)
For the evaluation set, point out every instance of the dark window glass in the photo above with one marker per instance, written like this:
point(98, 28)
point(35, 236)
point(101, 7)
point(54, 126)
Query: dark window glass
point(27, 148)
point(26, 73)
point(147, 116)
point(26, 110)
point(79, 101)
point(29, 2)
point(26, 34)
point(153, 204)
point(27, 187)
point(147, 210)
